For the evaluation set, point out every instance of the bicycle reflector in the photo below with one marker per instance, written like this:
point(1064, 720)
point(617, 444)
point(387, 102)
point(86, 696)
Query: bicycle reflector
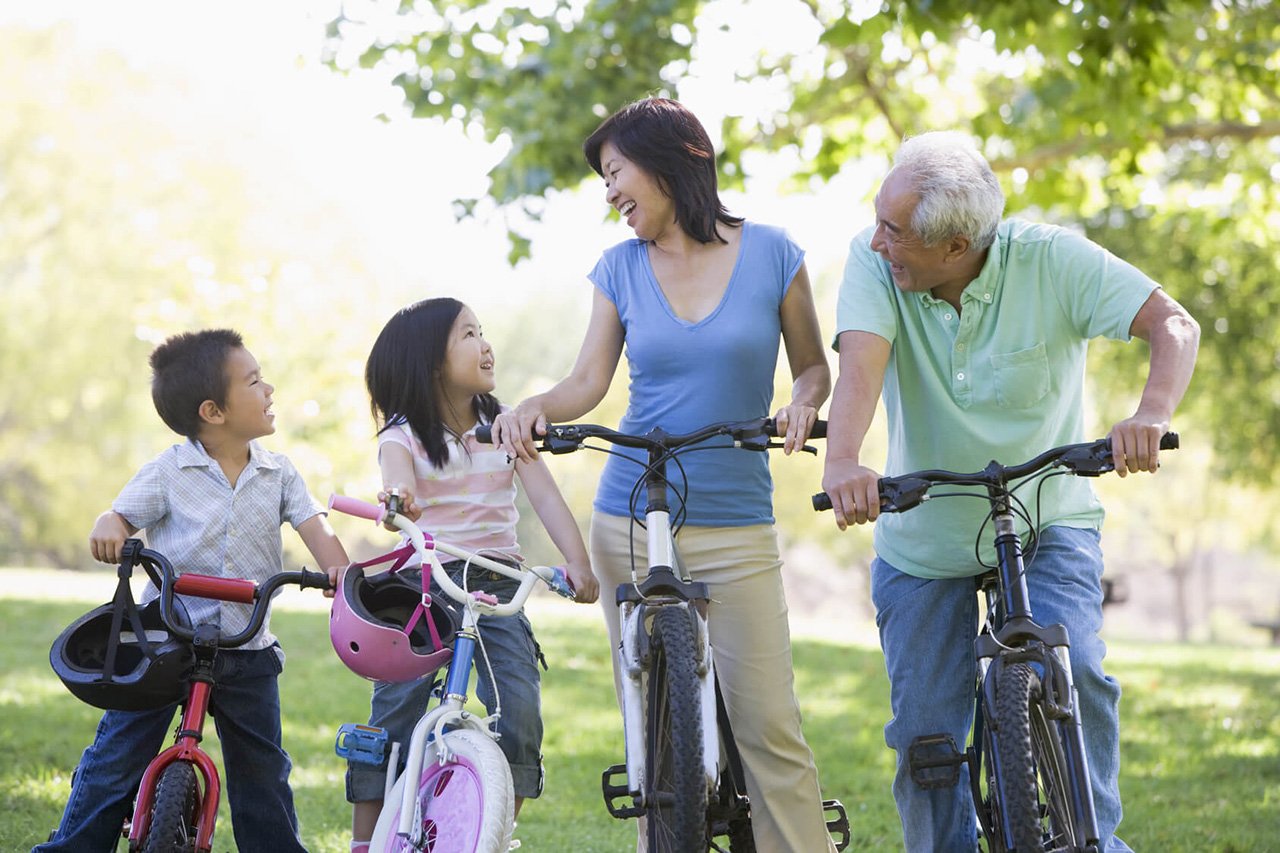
point(381, 630)
point(120, 657)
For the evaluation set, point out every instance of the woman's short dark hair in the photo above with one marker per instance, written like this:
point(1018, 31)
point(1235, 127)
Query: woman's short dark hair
point(188, 369)
point(665, 139)
point(402, 373)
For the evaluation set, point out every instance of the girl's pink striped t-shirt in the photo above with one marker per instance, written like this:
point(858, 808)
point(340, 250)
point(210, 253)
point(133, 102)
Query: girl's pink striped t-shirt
point(471, 501)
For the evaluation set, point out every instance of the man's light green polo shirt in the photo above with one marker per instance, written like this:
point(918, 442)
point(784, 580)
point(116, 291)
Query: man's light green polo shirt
point(1002, 379)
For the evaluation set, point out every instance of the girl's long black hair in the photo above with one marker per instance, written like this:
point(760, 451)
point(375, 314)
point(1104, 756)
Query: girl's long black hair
point(403, 374)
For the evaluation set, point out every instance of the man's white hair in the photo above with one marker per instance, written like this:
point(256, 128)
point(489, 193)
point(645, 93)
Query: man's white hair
point(959, 194)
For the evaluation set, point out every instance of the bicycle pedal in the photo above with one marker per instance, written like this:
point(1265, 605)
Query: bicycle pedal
point(614, 791)
point(838, 823)
point(361, 744)
point(934, 761)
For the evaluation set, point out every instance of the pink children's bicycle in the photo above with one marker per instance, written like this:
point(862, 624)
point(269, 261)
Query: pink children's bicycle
point(455, 794)
point(123, 657)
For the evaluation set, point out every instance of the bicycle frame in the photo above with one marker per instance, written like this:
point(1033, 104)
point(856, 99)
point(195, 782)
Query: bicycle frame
point(206, 641)
point(450, 711)
point(1011, 635)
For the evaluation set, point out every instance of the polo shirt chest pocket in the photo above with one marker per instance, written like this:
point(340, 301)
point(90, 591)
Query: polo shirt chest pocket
point(1022, 377)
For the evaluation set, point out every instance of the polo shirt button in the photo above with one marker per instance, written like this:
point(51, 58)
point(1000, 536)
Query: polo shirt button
point(946, 316)
point(960, 376)
point(986, 296)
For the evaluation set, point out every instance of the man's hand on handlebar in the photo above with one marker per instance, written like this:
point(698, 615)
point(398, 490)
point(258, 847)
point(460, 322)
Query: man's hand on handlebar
point(513, 431)
point(854, 490)
point(795, 421)
point(1135, 444)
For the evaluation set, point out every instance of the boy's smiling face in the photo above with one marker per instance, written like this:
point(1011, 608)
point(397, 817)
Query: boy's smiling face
point(247, 412)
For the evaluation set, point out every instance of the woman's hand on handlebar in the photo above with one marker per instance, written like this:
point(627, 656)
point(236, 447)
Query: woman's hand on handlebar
point(585, 586)
point(854, 490)
point(513, 430)
point(797, 420)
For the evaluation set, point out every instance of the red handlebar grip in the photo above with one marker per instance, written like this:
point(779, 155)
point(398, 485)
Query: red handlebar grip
point(223, 589)
point(356, 507)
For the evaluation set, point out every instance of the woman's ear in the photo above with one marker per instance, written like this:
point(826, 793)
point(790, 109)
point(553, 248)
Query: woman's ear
point(210, 413)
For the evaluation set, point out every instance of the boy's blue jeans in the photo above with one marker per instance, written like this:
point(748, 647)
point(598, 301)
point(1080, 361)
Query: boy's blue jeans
point(927, 629)
point(512, 652)
point(246, 703)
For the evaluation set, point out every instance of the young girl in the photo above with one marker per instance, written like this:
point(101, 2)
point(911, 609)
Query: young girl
point(430, 380)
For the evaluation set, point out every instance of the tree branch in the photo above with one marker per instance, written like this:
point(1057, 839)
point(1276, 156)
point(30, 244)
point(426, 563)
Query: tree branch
point(1057, 151)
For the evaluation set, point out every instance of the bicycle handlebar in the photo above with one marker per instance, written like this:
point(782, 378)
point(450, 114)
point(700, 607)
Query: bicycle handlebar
point(426, 547)
point(566, 438)
point(905, 491)
point(241, 590)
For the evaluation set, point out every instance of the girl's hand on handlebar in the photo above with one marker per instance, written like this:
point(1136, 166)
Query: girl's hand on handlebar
point(854, 491)
point(585, 586)
point(107, 537)
point(513, 431)
point(408, 505)
point(797, 420)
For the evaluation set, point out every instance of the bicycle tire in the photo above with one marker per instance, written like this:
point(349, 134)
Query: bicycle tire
point(464, 806)
point(676, 800)
point(175, 812)
point(1032, 766)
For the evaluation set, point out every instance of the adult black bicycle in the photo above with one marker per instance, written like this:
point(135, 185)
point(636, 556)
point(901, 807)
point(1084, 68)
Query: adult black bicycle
point(682, 771)
point(1026, 758)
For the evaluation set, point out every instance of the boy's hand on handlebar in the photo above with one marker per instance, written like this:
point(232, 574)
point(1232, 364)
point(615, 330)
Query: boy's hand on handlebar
point(585, 586)
point(796, 420)
point(107, 537)
point(335, 574)
point(854, 490)
point(1135, 444)
point(513, 431)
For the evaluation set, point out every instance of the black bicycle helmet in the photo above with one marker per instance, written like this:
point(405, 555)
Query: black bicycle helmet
point(136, 667)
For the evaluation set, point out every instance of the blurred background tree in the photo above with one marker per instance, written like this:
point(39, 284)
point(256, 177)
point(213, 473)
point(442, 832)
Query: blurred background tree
point(136, 202)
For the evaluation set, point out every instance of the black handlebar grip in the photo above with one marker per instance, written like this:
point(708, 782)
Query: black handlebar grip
point(821, 502)
point(484, 433)
point(819, 429)
point(1169, 441)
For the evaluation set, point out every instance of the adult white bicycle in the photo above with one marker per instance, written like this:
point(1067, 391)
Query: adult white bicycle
point(455, 794)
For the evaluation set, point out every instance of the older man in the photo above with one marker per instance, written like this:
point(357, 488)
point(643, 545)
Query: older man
point(975, 331)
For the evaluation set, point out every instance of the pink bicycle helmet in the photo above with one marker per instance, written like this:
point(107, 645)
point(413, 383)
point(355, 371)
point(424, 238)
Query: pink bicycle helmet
point(381, 632)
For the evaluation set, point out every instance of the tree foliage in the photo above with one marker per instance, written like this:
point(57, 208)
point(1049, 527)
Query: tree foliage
point(1154, 126)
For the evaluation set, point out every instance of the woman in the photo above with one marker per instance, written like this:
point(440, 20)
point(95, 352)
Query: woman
point(700, 299)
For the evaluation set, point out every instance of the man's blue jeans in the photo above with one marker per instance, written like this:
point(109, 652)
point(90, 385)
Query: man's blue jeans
point(246, 703)
point(927, 629)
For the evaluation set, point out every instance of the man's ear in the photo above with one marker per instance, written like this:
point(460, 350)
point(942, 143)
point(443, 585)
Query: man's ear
point(957, 247)
point(210, 413)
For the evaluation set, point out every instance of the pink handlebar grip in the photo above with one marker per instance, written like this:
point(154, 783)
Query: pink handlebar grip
point(357, 507)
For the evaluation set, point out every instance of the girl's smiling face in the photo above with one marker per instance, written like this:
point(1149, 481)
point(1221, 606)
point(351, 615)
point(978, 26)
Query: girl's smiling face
point(468, 359)
point(636, 195)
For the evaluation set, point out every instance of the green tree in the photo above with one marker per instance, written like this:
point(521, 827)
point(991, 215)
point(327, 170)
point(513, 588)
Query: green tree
point(1153, 126)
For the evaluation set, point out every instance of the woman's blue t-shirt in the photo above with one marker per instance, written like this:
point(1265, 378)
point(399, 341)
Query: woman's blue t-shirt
point(684, 375)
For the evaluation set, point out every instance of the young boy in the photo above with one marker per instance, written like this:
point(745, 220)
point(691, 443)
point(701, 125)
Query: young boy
point(213, 505)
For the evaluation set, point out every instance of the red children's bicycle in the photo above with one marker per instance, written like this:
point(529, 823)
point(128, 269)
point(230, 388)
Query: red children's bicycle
point(124, 657)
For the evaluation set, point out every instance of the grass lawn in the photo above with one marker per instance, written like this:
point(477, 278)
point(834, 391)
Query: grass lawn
point(1201, 736)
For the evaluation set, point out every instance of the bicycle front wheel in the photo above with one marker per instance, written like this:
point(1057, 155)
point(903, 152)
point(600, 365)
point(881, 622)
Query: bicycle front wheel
point(676, 799)
point(1033, 767)
point(175, 811)
point(465, 805)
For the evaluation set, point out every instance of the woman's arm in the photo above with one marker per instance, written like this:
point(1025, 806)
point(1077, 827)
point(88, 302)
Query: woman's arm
point(576, 394)
point(545, 498)
point(810, 374)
